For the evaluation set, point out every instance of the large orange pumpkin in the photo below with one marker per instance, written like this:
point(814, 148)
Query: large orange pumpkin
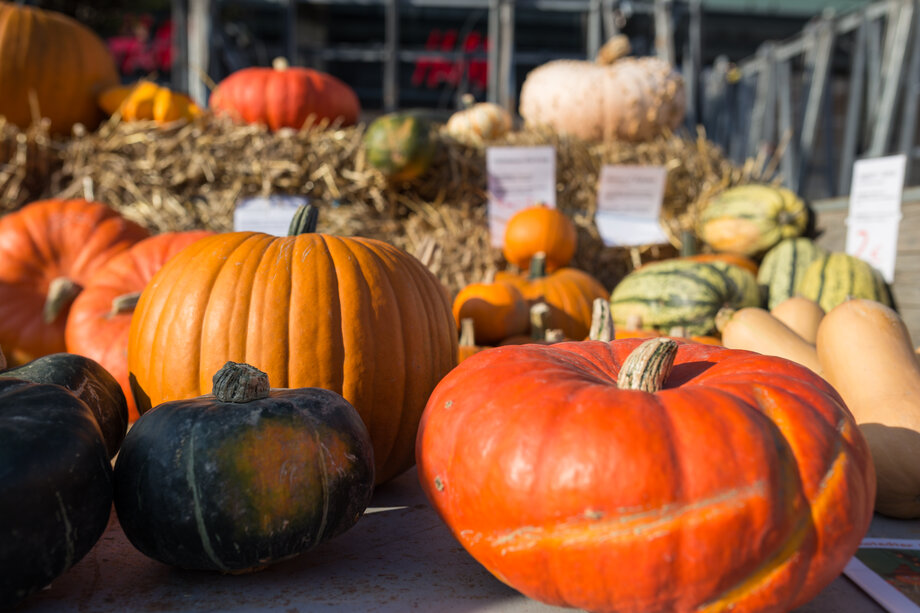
point(539, 229)
point(743, 484)
point(53, 61)
point(353, 315)
point(284, 96)
point(100, 316)
point(49, 249)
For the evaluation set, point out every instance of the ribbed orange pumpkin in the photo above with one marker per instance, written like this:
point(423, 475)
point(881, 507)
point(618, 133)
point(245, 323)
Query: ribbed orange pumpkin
point(284, 96)
point(49, 249)
point(100, 316)
point(743, 484)
point(539, 229)
point(353, 315)
point(569, 293)
point(62, 61)
point(498, 310)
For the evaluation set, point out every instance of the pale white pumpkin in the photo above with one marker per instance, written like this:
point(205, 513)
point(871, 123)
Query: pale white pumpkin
point(612, 98)
point(479, 121)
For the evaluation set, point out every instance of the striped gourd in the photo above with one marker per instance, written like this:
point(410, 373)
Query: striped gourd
point(839, 276)
point(783, 266)
point(682, 293)
point(750, 219)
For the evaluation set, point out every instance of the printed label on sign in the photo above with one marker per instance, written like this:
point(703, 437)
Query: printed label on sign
point(518, 177)
point(271, 215)
point(629, 202)
point(875, 212)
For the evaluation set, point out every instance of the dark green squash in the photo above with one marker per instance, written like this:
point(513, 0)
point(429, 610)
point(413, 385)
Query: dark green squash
point(838, 276)
point(245, 477)
point(55, 485)
point(400, 145)
point(90, 382)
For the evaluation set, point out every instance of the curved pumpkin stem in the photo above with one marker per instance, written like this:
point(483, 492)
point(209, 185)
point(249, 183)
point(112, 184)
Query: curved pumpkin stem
point(539, 318)
point(61, 292)
point(648, 365)
point(614, 49)
point(125, 303)
point(723, 317)
point(238, 382)
point(280, 63)
point(304, 221)
point(467, 332)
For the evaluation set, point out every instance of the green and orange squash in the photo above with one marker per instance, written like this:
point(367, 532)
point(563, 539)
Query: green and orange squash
point(838, 277)
point(400, 145)
point(784, 265)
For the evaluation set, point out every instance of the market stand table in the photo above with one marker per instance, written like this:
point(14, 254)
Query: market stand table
point(399, 557)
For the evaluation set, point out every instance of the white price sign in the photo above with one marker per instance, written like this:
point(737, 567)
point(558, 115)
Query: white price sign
point(629, 200)
point(875, 212)
point(518, 177)
point(271, 215)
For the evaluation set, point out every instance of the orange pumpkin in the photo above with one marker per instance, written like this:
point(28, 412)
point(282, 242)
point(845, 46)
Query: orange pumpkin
point(49, 250)
point(100, 316)
point(729, 258)
point(498, 310)
point(743, 484)
point(353, 315)
point(539, 229)
point(284, 96)
point(55, 62)
point(569, 293)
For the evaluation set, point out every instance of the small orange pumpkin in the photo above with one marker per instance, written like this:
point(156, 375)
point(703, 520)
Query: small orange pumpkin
point(498, 310)
point(540, 229)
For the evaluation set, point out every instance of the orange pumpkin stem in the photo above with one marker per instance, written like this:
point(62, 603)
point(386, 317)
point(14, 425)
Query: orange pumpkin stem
point(239, 382)
point(124, 304)
point(648, 365)
point(61, 292)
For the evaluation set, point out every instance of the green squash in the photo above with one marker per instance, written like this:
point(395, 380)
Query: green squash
point(400, 145)
point(90, 382)
point(839, 276)
point(750, 219)
point(784, 265)
point(55, 485)
point(245, 477)
point(682, 294)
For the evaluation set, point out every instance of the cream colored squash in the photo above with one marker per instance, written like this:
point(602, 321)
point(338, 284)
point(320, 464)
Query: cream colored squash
point(802, 315)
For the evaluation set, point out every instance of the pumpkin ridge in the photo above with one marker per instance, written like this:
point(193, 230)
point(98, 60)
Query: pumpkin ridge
point(196, 502)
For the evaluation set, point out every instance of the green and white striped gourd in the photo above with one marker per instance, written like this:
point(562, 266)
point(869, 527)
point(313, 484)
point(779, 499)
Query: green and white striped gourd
point(784, 265)
point(750, 219)
point(681, 293)
point(838, 276)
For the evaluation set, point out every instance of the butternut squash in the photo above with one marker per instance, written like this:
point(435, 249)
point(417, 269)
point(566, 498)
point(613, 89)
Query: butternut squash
point(801, 315)
point(867, 354)
point(755, 329)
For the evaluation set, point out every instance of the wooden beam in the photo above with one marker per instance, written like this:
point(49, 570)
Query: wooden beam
point(199, 48)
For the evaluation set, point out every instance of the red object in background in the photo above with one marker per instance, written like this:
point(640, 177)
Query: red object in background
point(137, 51)
point(434, 70)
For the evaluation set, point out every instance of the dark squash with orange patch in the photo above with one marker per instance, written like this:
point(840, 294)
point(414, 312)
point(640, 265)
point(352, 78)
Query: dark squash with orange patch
point(245, 477)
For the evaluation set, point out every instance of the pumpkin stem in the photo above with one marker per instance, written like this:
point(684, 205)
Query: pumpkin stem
point(601, 322)
point(467, 101)
point(280, 63)
point(124, 304)
point(239, 382)
point(648, 365)
point(61, 292)
point(678, 331)
point(724, 316)
point(467, 332)
point(304, 221)
point(539, 318)
point(614, 49)
point(2, 360)
point(537, 266)
point(554, 335)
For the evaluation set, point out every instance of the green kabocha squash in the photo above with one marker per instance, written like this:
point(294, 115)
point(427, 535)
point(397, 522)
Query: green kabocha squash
point(838, 276)
point(245, 477)
point(90, 382)
point(784, 265)
point(750, 219)
point(400, 145)
point(681, 293)
point(55, 485)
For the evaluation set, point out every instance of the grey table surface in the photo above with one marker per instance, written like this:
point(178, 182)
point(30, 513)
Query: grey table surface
point(398, 557)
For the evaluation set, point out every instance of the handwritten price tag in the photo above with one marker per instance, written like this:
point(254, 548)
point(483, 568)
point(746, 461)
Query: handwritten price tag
point(271, 215)
point(875, 211)
point(629, 202)
point(518, 177)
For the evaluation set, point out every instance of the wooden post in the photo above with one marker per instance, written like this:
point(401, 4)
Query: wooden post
point(199, 49)
point(493, 52)
point(664, 31)
point(593, 25)
point(893, 78)
point(789, 159)
point(817, 89)
point(506, 92)
point(911, 99)
point(855, 95)
point(391, 57)
point(180, 45)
